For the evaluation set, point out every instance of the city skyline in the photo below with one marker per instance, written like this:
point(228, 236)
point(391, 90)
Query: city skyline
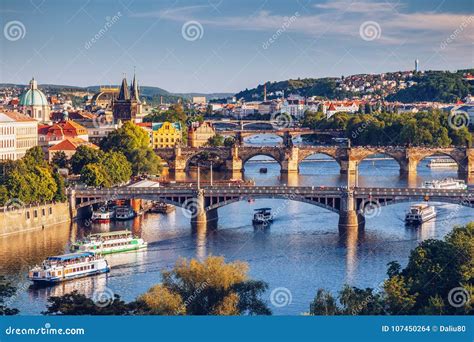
point(216, 46)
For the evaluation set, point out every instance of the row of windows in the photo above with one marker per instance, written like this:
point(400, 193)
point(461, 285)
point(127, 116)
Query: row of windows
point(7, 156)
point(26, 143)
point(116, 244)
point(166, 140)
point(78, 269)
point(35, 213)
point(7, 143)
point(26, 130)
point(7, 130)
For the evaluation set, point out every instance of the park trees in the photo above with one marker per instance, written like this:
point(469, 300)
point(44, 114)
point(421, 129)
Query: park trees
point(211, 287)
point(30, 180)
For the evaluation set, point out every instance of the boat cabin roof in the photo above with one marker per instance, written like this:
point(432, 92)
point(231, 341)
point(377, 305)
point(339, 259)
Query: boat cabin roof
point(111, 234)
point(263, 209)
point(420, 206)
point(71, 256)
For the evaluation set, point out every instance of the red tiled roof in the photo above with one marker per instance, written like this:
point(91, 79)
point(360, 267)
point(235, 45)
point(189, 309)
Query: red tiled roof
point(71, 144)
point(18, 116)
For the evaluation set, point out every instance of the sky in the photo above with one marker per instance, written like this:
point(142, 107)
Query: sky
point(227, 46)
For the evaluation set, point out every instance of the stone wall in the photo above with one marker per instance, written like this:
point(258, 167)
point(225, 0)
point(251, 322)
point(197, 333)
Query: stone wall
point(32, 217)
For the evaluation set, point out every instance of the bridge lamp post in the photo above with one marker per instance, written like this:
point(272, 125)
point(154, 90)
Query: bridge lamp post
point(211, 174)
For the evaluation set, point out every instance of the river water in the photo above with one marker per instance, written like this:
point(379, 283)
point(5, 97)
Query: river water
point(301, 251)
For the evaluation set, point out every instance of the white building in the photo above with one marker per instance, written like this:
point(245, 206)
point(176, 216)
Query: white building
point(18, 133)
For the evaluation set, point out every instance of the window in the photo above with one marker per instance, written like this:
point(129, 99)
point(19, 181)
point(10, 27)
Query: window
point(43, 212)
point(27, 215)
point(50, 211)
point(36, 213)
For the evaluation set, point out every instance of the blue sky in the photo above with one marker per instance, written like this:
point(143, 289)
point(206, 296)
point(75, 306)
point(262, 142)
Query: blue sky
point(238, 45)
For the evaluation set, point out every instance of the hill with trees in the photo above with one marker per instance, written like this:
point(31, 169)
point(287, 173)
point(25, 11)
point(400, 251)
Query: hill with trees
point(442, 86)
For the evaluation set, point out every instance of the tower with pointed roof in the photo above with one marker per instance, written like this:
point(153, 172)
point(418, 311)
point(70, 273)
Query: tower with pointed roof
point(127, 105)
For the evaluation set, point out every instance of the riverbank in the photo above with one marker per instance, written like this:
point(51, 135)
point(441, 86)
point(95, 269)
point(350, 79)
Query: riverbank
point(24, 218)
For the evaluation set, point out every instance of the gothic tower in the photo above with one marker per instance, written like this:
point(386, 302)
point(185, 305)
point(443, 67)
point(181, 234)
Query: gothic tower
point(127, 105)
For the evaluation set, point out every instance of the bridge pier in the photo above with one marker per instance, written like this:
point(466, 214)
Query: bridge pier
point(234, 164)
point(290, 163)
point(409, 165)
point(179, 162)
point(349, 219)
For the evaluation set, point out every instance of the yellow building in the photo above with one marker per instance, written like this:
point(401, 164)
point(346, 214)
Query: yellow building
point(199, 133)
point(166, 134)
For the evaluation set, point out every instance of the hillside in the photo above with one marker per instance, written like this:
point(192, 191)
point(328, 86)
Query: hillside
point(443, 86)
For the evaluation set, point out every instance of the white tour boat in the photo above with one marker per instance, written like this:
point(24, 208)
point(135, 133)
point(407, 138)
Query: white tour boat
point(262, 216)
point(103, 215)
point(59, 268)
point(124, 213)
point(442, 163)
point(420, 213)
point(111, 242)
point(445, 184)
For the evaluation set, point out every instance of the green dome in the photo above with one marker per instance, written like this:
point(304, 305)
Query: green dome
point(33, 96)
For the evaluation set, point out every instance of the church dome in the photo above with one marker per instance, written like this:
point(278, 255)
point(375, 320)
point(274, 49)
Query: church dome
point(33, 96)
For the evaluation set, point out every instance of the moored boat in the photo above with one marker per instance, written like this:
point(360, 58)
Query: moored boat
point(420, 213)
point(64, 267)
point(110, 242)
point(123, 213)
point(445, 184)
point(162, 208)
point(103, 215)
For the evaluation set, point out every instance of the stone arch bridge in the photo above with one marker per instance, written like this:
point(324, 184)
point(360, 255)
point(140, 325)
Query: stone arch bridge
point(289, 158)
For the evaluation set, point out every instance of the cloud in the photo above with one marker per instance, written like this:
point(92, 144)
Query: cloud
point(339, 19)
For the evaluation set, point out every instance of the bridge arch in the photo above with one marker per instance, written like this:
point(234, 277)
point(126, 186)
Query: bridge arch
point(223, 203)
point(332, 158)
point(207, 157)
point(442, 155)
point(249, 156)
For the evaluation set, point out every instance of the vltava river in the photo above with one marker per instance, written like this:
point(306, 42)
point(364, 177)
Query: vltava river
point(301, 251)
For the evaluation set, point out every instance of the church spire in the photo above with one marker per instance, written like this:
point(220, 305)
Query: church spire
point(134, 89)
point(124, 92)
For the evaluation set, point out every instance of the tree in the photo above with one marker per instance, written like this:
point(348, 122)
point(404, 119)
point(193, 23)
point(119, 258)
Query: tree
point(75, 303)
point(216, 141)
point(60, 160)
point(134, 142)
point(85, 155)
point(95, 175)
point(118, 168)
point(229, 142)
point(211, 287)
point(6, 290)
